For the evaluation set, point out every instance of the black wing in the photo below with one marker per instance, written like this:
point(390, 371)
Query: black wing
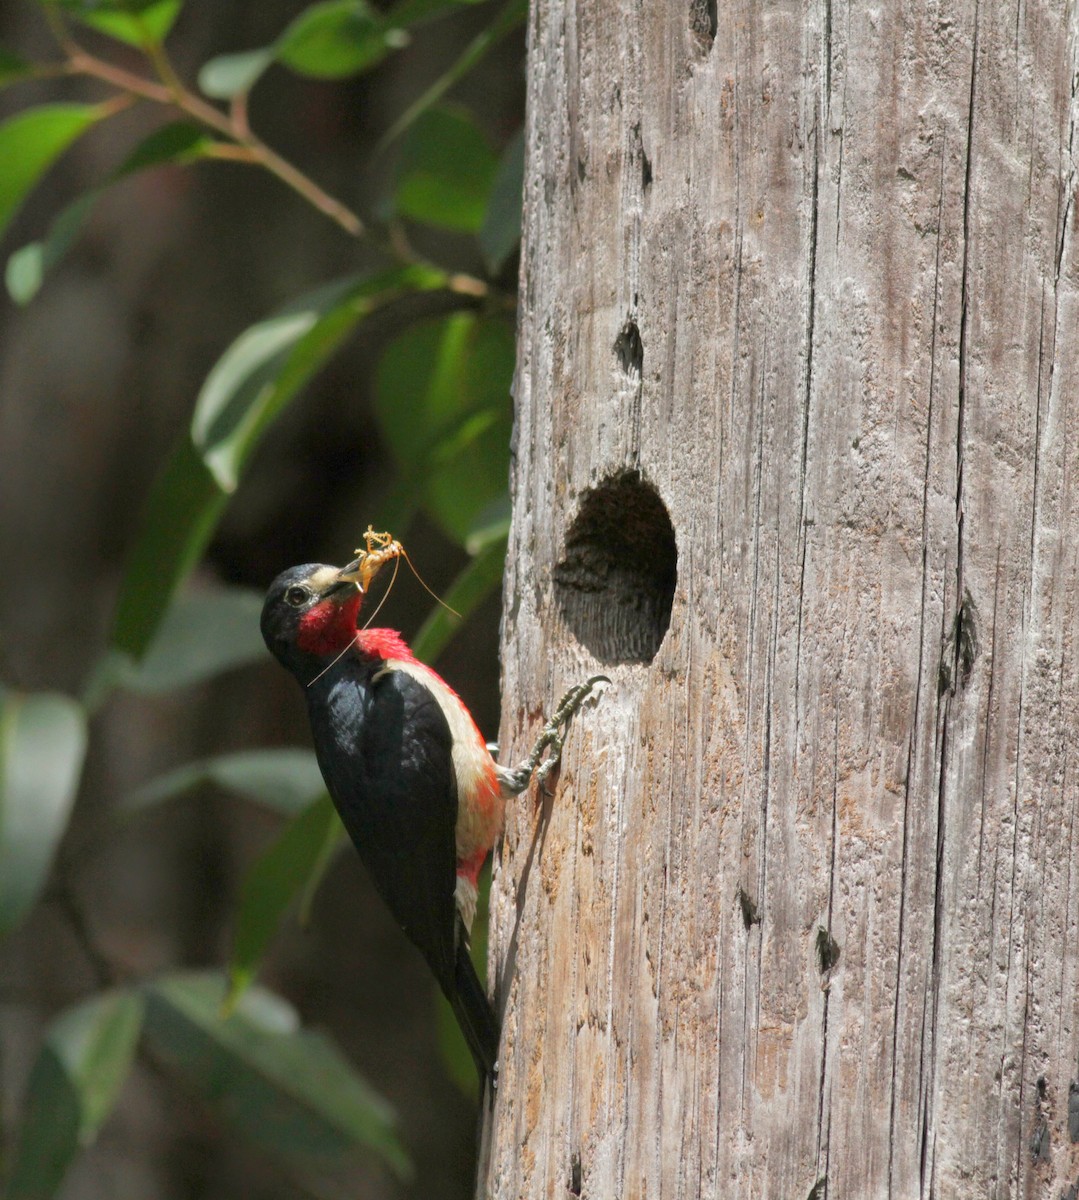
point(386, 754)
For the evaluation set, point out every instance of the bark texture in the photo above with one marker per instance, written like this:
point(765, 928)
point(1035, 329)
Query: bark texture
point(805, 904)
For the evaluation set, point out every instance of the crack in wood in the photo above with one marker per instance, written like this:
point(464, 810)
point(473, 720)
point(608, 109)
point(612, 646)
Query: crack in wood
point(960, 649)
point(827, 950)
point(629, 349)
point(750, 913)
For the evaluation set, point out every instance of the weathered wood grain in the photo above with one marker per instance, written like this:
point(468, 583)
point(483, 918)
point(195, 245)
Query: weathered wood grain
point(814, 280)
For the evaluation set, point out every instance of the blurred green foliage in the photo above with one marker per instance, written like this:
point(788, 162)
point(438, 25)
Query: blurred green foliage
point(443, 405)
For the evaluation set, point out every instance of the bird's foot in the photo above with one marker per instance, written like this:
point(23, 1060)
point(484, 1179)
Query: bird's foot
point(516, 779)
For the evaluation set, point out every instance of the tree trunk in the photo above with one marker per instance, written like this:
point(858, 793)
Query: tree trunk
point(805, 903)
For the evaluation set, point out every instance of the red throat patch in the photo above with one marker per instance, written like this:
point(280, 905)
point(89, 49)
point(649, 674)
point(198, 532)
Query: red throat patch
point(329, 627)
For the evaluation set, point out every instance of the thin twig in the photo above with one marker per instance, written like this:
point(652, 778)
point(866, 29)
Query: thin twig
point(158, 57)
point(59, 30)
point(238, 113)
point(172, 93)
point(459, 282)
point(467, 285)
point(300, 183)
point(239, 143)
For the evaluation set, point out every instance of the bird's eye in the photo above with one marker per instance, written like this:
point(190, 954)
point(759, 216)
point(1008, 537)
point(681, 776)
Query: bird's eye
point(297, 596)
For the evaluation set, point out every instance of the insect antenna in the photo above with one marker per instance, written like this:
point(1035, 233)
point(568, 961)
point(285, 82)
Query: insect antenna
point(428, 590)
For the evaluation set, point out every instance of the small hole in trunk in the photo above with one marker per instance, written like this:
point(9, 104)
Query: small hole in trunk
point(615, 583)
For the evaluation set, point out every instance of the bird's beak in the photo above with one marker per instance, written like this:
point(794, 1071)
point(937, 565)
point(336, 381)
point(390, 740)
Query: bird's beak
point(347, 578)
point(351, 573)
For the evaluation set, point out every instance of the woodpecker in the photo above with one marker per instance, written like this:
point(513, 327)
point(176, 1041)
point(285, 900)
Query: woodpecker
point(415, 785)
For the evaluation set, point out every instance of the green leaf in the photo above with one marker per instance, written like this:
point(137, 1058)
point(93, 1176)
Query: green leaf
point(247, 389)
point(192, 640)
point(267, 364)
point(337, 38)
point(491, 524)
point(253, 381)
point(74, 1083)
point(42, 744)
point(27, 267)
point(202, 635)
point(274, 882)
point(443, 400)
point(30, 143)
point(467, 592)
point(445, 171)
point(335, 837)
point(177, 142)
point(242, 382)
point(180, 142)
point(507, 20)
point(13, 68)
point(327, 41)
point(137, 22)
point(229, 75)
point(285, 780)
point(288, 1090)
point(185, 505)
point(501, 230)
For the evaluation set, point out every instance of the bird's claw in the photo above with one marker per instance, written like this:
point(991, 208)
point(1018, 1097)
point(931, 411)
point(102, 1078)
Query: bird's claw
point(572, 701)
point(551, 737)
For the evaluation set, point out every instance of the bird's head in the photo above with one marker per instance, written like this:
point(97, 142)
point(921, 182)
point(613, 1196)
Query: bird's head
point(310, 615)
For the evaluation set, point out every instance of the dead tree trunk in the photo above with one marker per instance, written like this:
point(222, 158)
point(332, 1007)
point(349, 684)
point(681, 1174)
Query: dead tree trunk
point(798, 353)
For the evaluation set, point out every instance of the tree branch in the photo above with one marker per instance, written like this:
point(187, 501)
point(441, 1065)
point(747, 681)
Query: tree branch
point(171, 92)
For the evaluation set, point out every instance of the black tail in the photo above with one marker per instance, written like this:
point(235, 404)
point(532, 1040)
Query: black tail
point(475, 1015)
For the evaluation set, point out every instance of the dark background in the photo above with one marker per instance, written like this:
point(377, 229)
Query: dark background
point(97, 379)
